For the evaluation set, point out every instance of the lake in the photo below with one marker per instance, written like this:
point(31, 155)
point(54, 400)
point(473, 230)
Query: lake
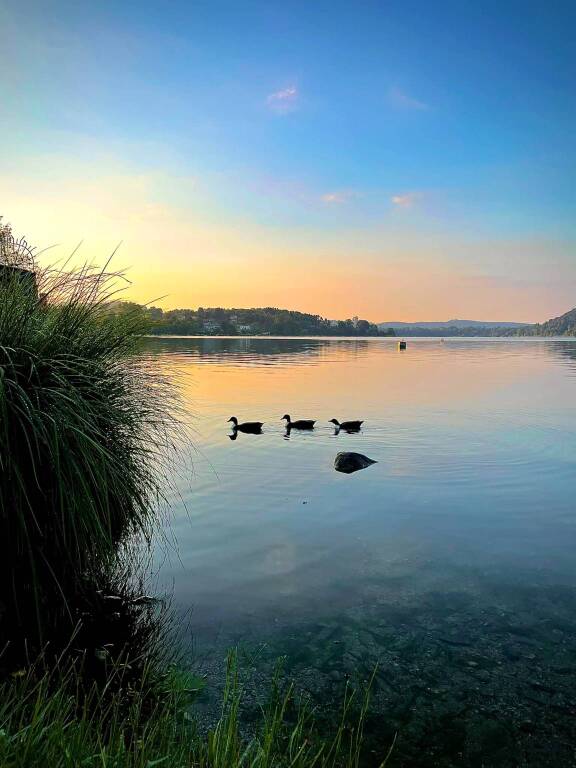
point(450, 562)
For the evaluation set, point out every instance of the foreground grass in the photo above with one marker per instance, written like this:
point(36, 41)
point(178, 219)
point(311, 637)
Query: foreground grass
point(86, 426)
point(50, 720)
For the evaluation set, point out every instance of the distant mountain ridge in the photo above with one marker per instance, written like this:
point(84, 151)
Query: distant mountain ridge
point(453, 324)
point(564, 325)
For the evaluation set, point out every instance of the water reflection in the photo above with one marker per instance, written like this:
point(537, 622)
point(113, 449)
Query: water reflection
point(566, 350)
point(263, 350)
point(471, 431)
point(451, 560)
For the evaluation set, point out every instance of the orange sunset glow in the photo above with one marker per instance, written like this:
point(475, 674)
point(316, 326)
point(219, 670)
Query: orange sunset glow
point(185, 259)
point(238, 170)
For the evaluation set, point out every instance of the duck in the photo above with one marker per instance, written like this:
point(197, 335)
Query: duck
point(299, 424)
point(251, 427)
point(349, 462)
point(347, 426)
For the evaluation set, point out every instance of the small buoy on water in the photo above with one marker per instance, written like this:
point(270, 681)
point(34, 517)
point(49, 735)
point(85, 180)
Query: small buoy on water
point(401, 345)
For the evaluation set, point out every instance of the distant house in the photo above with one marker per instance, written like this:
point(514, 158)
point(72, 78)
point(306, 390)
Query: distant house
point(210, 326)
point(244, 328)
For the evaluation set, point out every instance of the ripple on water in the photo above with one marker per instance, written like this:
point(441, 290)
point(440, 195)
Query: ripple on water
point(473, 433)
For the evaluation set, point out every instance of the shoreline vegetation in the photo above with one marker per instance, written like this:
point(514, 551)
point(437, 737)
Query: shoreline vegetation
point(271, 321)
point(266, 321)
point(88, 673)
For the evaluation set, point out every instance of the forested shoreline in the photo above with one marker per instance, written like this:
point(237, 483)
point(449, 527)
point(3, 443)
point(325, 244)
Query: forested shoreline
point(271, 321)
point(265, 321)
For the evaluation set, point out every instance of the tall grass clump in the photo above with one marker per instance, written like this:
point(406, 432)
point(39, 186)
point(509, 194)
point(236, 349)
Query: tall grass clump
point(84, 427)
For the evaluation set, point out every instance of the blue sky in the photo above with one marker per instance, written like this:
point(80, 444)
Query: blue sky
point(433, 138)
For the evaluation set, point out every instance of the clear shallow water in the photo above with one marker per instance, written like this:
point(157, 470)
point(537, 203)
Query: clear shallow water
point(450, 561)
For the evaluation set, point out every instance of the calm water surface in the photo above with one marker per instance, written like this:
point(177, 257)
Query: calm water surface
point(450, 561)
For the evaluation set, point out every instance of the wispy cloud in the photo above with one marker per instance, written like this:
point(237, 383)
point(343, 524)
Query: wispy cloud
point(406, 199)
point(284, 101)
point(402, 100)
point(336, 198)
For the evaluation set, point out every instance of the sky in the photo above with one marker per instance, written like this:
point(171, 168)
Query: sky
point(395, 160)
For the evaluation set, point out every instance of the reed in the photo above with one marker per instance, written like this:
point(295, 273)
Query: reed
point(85, 425)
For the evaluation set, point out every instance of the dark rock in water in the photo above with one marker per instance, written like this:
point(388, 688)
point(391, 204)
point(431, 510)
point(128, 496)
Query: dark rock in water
point(351, 462)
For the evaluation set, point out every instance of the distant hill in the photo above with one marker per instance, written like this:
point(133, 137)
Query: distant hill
point(452, 324)
point(565, 325)
point(456, 328)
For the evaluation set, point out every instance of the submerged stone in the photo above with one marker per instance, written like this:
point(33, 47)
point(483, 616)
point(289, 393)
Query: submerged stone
point(349, 462)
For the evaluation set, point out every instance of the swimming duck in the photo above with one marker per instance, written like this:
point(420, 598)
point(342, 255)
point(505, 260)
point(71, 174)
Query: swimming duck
point(300, 424)
point(251, 427)
point(347, 426)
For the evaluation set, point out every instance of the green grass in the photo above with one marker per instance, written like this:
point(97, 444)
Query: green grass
point(50, 720)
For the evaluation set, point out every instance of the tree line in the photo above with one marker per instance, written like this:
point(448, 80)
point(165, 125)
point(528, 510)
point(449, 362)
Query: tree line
point(268, 321)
